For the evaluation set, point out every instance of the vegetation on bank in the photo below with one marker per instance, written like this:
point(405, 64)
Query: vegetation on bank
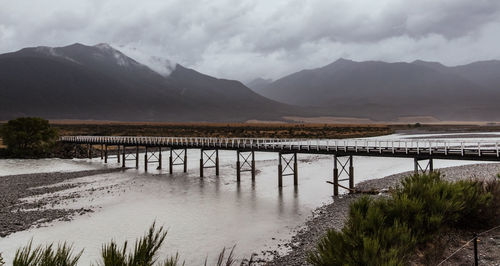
point(144, 253)
point(387, 230)
point(28, 137)
point(229, 130)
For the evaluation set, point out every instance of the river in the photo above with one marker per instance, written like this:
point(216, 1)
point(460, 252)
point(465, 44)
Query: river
point(202, 215)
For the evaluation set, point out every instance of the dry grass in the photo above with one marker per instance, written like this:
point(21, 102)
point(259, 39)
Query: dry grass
point(262, 130)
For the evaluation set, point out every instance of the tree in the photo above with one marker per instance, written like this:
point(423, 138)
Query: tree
point(28, 136)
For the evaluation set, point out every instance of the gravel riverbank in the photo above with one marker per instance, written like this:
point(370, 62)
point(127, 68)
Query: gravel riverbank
point(333, 215)
point(17, 214)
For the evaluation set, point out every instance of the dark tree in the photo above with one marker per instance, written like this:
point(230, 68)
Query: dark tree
point(28, 136)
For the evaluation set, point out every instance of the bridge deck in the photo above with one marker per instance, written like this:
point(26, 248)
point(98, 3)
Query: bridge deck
point(420, 149)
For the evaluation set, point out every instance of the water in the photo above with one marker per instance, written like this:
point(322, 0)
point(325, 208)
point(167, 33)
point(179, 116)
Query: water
point(202, 215)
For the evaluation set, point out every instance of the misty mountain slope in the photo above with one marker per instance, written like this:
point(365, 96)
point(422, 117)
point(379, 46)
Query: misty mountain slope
point(386, 90)
point(99, 82)
point(485, 73)
point(258, 84)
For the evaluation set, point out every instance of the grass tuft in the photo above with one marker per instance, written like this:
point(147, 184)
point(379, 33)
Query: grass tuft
point(41, 256)
point(144, 253)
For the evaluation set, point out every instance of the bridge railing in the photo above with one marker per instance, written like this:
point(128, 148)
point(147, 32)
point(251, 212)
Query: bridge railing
point(414, 146)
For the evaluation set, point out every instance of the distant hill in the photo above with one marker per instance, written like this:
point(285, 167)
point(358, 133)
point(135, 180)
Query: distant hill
point(101, 83)
point(259, 84)
point(385, 91)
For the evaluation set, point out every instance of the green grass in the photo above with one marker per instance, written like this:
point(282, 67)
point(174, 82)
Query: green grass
point(144, 253)
point(386, 231)
point(46, 256)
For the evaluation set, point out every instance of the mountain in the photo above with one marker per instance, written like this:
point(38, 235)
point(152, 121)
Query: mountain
point(385, 91)
point(259, 84)
point(101, 83)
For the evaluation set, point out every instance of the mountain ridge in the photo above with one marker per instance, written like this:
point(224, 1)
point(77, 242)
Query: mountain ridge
point(99, 82)
point(381, 90)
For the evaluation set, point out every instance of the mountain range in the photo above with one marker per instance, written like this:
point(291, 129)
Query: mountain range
point(385, 91)
point(102, 83)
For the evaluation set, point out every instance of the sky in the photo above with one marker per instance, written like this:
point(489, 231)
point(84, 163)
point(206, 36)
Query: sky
point(239, 39)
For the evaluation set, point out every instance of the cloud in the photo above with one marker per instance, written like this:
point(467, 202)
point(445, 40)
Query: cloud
point(248, 39)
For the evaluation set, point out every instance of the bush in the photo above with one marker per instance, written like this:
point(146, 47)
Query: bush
point(385, 231)
point(1, 260)
point(28, 136)
point(368, 238)
point(40, 256)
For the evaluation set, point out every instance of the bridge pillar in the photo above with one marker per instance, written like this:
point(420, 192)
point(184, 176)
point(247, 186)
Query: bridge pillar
point(150, 156)
point(102, 151)
point(118, 153)
point(429, 167)
point(177, 157)
point(137, 157)
point(146, 159)
point(89, 150)
point(344, 169)
point(245, 162)
point(289, 168)
point(105, 153)
point(159, 158)
point(123, 156)
point(212, 157)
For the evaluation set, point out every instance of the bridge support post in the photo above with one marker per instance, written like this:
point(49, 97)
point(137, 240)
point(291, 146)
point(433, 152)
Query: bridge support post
point(238, 167)
point(118, 153)
point(428, 168)
point(185, 160)
point(253, 166)
point(212, 160)
point(351, 174)
point(102, 151)
point(290, 165)
point(105, 153)
point(159, 159)
point(177, 157)
point(137, 157)
point(146, 159)
point(217, 162)
point(344, 169)
point(170, 162)
point(335, 177)
point(123, 155)
point(89, 150)
point(245, 162)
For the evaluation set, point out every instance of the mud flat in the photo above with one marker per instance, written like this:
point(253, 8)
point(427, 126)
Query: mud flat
point(333, 216)
point(18, 214)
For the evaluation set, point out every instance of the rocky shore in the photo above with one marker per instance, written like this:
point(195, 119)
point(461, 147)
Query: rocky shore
point(17, 214)
point(333, 215)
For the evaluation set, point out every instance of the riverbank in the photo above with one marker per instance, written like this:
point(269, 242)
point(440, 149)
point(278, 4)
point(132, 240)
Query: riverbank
point(17, 214)
point(333, 216)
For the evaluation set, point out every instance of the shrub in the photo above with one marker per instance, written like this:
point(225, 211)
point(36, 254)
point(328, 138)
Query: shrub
point(1, 260)
point(42, 256)
point(385, 231)
point(28, 136)
point(368, 238)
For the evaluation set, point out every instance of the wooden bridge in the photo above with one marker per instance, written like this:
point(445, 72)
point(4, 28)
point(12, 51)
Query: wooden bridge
point(128, 148)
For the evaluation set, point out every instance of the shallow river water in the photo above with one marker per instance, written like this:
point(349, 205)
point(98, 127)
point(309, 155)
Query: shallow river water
point(202, 215)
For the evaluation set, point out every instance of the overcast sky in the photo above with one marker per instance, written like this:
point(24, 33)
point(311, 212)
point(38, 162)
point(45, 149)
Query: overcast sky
point(269, 38)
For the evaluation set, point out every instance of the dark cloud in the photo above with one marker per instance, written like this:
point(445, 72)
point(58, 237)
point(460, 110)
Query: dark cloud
point(246, 39)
